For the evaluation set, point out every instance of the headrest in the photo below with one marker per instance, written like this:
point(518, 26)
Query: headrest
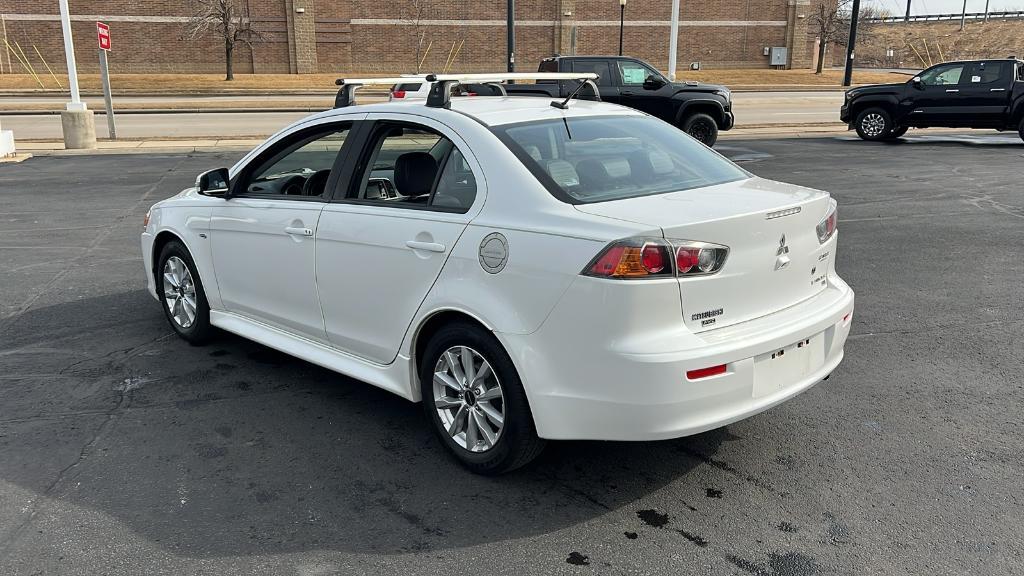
point(414, 173)
point(563, 173)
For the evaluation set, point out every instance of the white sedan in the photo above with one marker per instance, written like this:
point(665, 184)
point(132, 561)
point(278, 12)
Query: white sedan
point(528, 271)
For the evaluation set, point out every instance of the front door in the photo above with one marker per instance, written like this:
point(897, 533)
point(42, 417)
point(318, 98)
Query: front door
point(654, 101)
point(263, 235)
point(381, 248)
point(936, 102)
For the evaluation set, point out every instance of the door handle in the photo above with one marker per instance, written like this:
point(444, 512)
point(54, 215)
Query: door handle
point(998, 90)
point(427, 246)
point(952, 90)
point(296, 231)
point(627, 93)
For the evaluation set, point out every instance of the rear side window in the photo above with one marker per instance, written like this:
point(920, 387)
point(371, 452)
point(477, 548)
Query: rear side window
point(986, 73)
point(601, 158)
point(408, 87)
point(548, 66)
point(599, 67)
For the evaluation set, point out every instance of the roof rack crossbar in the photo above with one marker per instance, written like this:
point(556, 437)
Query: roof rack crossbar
point(443, 84)
point(347, 93)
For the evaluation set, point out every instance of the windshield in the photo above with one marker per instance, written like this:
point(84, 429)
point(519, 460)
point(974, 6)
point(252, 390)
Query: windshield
point(601, 158)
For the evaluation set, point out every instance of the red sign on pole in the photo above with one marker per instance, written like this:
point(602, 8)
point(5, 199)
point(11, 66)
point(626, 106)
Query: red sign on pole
point(103, 33)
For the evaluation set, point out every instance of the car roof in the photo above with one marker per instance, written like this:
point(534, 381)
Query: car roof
point(498, 110)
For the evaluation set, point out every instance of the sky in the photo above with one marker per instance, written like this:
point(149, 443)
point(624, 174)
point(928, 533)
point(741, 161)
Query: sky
point(945, 6)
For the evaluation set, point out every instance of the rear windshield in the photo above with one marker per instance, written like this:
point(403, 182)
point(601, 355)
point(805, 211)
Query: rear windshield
point(601, 158)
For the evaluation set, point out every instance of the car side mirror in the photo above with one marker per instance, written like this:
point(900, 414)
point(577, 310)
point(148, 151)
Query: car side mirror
point(916, 81)
point(653, 82)
point(214, 182)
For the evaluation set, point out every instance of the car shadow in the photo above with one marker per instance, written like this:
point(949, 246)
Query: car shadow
point(985, 140)
point(234, 448)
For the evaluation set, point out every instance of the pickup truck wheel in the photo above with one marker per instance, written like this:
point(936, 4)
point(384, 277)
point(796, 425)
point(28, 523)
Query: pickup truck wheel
point(1020, 129)
point(702, 128)
point(873, 124)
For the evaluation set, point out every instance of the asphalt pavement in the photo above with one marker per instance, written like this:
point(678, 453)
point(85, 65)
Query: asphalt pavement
point(123, 450)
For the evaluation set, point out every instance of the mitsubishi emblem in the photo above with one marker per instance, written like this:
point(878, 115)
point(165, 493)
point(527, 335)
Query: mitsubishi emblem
point(782, 254)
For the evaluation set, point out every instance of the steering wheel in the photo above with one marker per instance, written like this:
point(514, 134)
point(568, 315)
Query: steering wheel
point(293, 185)
point(316, 183)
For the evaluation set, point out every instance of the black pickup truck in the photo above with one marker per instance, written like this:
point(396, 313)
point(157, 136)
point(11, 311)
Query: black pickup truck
point(701, 110)
point(971, 94)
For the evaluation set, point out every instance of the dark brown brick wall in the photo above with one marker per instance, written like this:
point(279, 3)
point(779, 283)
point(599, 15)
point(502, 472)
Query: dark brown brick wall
point(343, 46)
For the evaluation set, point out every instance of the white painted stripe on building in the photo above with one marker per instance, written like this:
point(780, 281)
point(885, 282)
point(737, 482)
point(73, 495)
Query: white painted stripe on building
point(400, 22)
point(615, 23)
point(95, 18)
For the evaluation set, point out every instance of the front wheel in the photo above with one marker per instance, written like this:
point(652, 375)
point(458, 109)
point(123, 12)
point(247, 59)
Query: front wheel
point(873, 124)
point(181, 293)
point(702, 128)
point(475, 402)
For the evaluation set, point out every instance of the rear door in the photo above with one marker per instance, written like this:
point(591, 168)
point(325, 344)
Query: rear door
point(382, 245)
point(984, 92)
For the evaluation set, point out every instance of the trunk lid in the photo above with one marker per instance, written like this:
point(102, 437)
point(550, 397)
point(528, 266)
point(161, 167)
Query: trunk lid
point(774, 260)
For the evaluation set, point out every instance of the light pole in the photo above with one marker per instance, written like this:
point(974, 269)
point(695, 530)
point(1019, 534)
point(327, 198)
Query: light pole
point(622, 22)
point(77, 121)
point(673, 41)
point(963, 17)
point(510, 32)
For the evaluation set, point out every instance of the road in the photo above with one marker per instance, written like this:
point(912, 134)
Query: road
point(124, 450)
point(751, 108)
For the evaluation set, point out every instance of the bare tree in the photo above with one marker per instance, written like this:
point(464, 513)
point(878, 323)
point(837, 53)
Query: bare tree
point(830, 20)
point(414, 15)
point(226, 20)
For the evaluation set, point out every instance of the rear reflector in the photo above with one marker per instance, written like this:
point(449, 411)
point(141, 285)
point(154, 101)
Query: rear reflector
point(705, 372)
point(398, 93)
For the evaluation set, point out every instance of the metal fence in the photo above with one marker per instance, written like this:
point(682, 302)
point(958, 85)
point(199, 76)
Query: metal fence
point(1006, 15)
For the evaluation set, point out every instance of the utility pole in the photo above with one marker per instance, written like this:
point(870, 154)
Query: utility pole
point(673, 41)
point(854, 16)
point(510, 31)
point(986, 10)
point(963, 16)
point(907, 17)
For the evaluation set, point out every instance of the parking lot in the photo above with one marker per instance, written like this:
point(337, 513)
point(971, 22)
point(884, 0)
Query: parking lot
point(123, 449)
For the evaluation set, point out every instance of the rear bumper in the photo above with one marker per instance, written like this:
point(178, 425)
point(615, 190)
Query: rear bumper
point(587, 384)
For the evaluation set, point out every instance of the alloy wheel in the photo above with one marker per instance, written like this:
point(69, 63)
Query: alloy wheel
point(468, 399)
point(179, 292)
point(873, 125)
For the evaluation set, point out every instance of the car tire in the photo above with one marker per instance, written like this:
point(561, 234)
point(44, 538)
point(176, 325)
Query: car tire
point(873, 124)
point(181, 294)
point(702, 128)
point(484, 422)
point(1020, 129)
point(898, 132)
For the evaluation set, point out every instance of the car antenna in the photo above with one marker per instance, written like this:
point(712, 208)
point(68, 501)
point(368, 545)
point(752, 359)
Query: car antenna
point(564, 104)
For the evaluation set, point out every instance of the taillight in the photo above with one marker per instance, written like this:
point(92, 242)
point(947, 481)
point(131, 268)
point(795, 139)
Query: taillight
point(827, 227)
point(398, 93)
point(632, 258)
point(635, 258)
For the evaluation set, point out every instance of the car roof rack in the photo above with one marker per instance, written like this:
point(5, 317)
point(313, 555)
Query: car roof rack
point(443, 84)
point(347, 94)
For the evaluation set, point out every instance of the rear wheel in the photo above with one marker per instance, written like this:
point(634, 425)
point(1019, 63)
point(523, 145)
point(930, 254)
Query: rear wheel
point(702, 127)
point(1020, 129)
point(181, 294)
point(475, 402)
point(873, 124)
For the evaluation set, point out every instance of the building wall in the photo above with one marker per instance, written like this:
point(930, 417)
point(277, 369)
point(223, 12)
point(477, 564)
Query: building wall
point(389, 36)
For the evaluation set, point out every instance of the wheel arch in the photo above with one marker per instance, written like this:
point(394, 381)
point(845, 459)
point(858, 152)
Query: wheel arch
point(707, 106)
point(887, 103)
point(430, 324)
point(165, 237)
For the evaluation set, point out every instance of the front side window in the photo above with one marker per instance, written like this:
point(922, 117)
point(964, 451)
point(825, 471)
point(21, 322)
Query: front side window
point(634, 73)
point(412, 166)
point(298, 168)
point(601, 158)
point(943, 75)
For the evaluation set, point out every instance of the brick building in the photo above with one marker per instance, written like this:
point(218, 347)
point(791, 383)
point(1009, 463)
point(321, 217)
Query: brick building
point(377, 36)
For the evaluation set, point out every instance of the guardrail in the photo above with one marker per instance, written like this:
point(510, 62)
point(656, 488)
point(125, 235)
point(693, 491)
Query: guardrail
point(1005, 15)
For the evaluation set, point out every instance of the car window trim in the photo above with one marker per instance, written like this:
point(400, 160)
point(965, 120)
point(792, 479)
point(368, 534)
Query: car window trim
point(278, 147)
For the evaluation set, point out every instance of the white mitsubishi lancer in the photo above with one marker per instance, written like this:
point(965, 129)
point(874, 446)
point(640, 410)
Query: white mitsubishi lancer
point(529, 269)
